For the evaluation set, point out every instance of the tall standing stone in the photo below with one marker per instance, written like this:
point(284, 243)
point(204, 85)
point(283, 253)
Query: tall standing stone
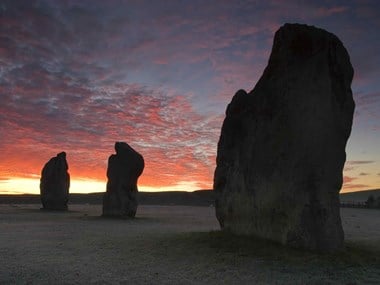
point(124, 168)
point(281, 150)
point(55, 183)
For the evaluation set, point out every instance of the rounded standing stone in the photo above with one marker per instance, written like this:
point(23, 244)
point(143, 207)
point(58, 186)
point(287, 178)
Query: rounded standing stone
point(124, 169)
point(281, 150)
point(55, 183)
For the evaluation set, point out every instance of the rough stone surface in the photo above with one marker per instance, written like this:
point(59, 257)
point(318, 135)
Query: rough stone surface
point(281, 150)
point(55, 183)
point(124, 168)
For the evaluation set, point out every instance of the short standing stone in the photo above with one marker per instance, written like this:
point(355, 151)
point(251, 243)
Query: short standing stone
point(124, 169)
point(281, 150)
point(55, 183)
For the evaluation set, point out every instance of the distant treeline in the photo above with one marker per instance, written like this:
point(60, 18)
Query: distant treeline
point(196, 198)
point(371, 203)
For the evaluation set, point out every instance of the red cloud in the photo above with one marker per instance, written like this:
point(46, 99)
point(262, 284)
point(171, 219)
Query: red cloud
point(177, 143)
point(347, 179)
point(356, 186)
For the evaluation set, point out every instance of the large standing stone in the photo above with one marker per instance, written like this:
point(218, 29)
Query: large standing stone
point(55, 183)
point(124, 169)
point(281, 150)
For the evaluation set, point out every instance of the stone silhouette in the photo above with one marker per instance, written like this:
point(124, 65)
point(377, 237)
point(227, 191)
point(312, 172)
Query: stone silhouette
point(55, 183)
point(124, 168)
point(281, 150)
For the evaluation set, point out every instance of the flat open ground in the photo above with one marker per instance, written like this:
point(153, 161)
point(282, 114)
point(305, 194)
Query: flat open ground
point(170, 245)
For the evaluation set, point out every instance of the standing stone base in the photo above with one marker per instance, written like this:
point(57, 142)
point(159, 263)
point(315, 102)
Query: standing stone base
point(52, 205)
point(122, 205)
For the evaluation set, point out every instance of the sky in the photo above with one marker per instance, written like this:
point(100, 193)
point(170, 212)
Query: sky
point(76, 76)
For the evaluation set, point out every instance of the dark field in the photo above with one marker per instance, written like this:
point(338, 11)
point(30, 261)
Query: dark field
point(170, 245)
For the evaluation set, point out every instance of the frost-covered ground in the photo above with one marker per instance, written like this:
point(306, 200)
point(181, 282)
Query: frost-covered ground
point(170, 245)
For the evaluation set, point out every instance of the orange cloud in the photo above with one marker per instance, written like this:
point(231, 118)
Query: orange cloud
point(177, 143)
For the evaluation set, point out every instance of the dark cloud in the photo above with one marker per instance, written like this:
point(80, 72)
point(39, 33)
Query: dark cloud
point(365, 100)
point(331, 11)
point(359, 162)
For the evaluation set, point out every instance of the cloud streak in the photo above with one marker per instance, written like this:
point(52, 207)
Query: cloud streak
point(177, 143)
point(359, 162)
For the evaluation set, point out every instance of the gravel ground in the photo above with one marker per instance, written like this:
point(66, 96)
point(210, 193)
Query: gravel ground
point(170, 245)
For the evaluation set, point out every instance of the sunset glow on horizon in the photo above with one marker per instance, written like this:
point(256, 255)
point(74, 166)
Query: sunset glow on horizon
point(77, 76)
point(17, 186)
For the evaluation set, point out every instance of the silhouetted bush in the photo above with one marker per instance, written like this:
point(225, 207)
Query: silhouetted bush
point(373, 202)
point(370, 201)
